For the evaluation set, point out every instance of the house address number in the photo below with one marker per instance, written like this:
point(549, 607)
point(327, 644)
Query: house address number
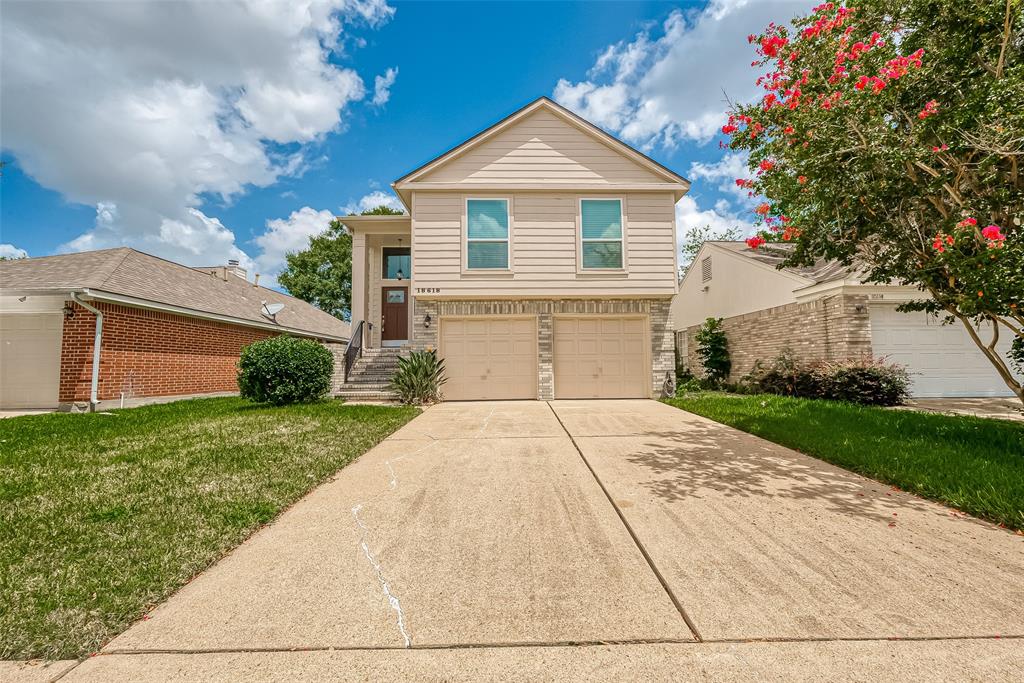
point(428, 290)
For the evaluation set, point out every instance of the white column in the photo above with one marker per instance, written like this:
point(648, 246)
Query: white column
point(359, 280)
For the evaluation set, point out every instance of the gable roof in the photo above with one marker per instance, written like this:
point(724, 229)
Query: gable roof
point(670, 178)
point(775, 254)
point(132, 277)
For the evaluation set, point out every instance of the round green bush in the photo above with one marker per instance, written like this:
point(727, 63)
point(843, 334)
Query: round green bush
point(283, 370)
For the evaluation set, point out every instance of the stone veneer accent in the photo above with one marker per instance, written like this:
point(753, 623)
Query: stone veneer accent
point(830, 328)
point(662, 340)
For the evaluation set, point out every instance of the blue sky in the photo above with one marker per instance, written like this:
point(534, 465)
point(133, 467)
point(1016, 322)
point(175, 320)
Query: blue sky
point(213, 133)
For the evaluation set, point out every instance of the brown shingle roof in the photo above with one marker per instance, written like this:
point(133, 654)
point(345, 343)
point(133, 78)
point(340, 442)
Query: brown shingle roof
point(775, 253)
point(128, 272)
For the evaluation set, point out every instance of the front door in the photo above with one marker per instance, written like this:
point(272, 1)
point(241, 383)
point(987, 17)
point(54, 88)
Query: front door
point(394, 318)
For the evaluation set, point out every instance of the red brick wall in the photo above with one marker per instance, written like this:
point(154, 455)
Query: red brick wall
point(148, 353)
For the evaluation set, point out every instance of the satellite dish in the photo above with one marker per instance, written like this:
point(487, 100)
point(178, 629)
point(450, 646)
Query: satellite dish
point(271, 310)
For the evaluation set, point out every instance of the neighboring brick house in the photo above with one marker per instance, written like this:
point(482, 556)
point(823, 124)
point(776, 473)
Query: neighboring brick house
point(538, 258)
point(822, 312)
point(167, 329)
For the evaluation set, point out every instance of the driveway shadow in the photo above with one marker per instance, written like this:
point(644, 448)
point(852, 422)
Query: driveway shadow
point(706, 458)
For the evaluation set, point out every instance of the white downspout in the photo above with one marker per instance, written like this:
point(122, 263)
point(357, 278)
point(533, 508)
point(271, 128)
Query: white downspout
point(97, 340)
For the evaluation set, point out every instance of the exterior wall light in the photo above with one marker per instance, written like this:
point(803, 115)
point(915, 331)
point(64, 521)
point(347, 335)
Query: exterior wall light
point(69, 310)
point(426, 320)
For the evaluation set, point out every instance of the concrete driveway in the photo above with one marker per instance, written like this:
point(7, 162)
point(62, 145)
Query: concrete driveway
point(592, 540)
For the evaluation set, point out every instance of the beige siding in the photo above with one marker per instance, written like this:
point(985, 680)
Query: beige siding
point(738, 285)
point(542, 147)
point(544, 247)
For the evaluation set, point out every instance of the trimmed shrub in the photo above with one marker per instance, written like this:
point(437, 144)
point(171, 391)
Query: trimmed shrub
point(282, 370)
point(713, 350)
point(864, 381)
point(418, 378)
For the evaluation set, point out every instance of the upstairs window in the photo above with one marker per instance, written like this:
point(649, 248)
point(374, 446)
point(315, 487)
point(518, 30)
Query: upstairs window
point(397, 263)
point(487, 234)
point(601, 233)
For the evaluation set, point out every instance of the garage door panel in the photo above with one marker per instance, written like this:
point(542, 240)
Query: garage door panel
point(942, 359)
point(30, 360)
point(489, 358)
point(600, 357)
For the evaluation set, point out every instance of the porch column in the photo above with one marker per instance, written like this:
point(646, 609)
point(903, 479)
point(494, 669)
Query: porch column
point(359, 281)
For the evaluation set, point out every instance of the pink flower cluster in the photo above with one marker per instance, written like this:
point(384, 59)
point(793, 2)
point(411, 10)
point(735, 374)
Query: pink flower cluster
point(931, 108)
point(992, 234)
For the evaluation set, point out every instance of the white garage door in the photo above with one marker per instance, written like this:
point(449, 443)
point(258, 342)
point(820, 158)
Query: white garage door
point(601, 357)
point(30, 359)
point(489, 358)
point(942, 359)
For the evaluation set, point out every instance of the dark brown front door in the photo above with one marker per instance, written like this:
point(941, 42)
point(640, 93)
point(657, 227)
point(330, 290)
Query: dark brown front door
point(394, 318)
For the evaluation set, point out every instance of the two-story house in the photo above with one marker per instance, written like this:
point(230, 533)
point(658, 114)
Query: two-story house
point(538, 258)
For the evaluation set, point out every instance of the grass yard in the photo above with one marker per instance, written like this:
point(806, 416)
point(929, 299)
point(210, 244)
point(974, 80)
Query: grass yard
point(103, 516)
point(973, 464)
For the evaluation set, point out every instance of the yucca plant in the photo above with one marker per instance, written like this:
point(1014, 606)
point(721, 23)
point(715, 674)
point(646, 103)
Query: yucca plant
point(418, 378)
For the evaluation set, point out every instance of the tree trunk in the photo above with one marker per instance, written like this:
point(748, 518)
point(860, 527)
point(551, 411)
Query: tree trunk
point(990, 352)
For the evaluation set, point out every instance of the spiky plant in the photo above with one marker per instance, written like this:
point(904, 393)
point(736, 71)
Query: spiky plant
point(418, 378)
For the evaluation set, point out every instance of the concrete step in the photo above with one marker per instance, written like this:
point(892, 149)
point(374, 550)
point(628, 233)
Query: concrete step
point(360, 386)
point(360, 377)
point(351, 395)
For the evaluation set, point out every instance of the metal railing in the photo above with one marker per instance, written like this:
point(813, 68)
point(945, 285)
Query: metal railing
point(354, 349)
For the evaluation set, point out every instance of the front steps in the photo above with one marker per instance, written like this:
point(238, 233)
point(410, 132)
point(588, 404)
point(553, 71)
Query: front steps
point(370, 376)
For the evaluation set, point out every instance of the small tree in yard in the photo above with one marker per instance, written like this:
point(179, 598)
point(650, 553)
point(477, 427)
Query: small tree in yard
point(713, 350)
point(282, 370)
point(891, 136)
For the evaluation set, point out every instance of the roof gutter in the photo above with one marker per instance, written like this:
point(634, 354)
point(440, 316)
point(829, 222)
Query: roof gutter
point(97, 341)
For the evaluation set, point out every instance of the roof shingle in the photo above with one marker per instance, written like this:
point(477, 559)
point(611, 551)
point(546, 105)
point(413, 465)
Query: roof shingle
point(132, 273)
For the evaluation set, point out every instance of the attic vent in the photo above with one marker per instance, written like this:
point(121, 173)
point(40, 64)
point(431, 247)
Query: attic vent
point(705, 269)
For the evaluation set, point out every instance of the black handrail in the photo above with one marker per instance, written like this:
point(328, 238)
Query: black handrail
point(355, 347)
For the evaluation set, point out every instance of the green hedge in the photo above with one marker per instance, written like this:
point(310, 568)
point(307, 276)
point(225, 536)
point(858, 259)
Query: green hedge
point(282, 370)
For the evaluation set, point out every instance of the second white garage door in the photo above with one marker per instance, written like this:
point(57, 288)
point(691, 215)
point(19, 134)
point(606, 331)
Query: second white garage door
point(489, 358)
point(942, 359)
point(601, 357)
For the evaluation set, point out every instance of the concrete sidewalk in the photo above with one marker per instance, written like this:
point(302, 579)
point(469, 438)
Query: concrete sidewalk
point(586, 540)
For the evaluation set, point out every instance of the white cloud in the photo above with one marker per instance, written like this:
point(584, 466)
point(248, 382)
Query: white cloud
point(689, 215)
point(11, 251)
point(661, 89)
point(144, 110)
point(287, 235)
point(382, 87)
point(724, 173)
point(372, 201)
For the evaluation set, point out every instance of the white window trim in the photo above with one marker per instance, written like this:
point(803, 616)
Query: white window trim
point(466, 270)
point(580, 270)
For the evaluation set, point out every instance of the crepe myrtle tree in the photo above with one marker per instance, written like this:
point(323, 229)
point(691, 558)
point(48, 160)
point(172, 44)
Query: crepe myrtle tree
point(890, 137)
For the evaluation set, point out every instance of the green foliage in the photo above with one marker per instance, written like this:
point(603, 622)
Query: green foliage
point(418, 378)
point(713, 350)
point(864, 381)
point(283, 370)
point(695, 237)
point(322, 273)
point(890, 136)
point(382, 210)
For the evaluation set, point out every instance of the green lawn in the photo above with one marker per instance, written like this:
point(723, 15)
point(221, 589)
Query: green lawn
point(102, 516)
point(975, 465)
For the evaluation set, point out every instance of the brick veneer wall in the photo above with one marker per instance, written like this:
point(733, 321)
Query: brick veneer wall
point(662, 341)
point(149, 353)
point(831, 328)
